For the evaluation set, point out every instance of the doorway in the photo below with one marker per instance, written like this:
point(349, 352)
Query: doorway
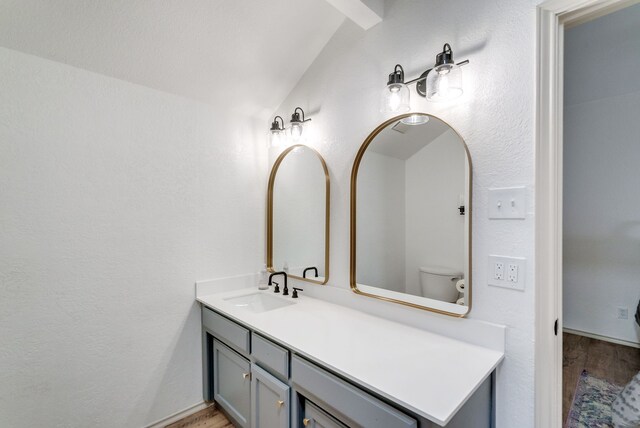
point(554, 17)
point(600, 214)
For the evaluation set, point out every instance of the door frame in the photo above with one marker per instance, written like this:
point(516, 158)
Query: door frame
point(553, 16)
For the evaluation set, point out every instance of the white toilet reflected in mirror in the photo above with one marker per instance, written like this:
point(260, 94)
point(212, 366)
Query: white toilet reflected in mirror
point(437, 282)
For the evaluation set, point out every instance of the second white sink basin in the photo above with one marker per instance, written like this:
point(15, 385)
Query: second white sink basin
point(258, 302)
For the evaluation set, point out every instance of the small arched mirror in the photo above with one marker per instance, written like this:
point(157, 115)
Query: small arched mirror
point(411, 215)
point(298, 215)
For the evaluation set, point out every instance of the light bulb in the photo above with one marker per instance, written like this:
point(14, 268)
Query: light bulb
point(444, 83)
point(296, 131)
point(395, 98)
point(277, 138)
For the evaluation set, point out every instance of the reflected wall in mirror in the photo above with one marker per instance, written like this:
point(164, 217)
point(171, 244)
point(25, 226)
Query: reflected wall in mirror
point(298, 215)
point(411, 216)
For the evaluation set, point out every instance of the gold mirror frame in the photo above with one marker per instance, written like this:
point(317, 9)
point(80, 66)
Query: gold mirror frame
point(272, 180)
point(353, 234)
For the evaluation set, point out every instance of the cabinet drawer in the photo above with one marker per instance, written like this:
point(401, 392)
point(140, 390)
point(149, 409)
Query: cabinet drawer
point(226, 330)
point(316, 418)
point(349, 401)
point(270, 354)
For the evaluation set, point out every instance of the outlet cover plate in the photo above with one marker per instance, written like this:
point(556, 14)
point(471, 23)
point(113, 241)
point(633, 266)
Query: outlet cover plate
point(510, 263)
point(508, 203)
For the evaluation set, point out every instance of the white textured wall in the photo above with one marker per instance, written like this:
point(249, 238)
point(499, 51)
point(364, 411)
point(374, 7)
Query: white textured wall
point(381, 222)
point(601, 175)
point(435, 180)
point(115, 199)
point(495, 117)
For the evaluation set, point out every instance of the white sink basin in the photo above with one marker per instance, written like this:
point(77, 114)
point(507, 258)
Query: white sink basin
point(258, 302)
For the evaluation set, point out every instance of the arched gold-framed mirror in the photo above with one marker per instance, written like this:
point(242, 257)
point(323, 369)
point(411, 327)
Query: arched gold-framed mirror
point(411, 216)
point(298, 206)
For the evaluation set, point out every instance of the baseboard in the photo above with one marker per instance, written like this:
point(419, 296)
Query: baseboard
point(179, 415)
point(603, 338)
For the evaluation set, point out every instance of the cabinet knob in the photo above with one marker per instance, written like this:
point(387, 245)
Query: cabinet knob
point(306, 421)
point(280, 403)
point(246, 375)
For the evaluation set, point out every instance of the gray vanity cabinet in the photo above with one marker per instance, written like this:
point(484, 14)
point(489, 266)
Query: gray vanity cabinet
point(260, 383)
point(314, 417)
point(270, 401)
point(232, 383)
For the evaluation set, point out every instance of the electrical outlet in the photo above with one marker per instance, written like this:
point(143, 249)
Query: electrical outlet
point(623, 313)
point(507, 272)
point(512, 272)
point(498, 270)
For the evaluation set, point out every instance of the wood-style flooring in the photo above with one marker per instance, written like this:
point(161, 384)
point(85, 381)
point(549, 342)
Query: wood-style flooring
point(206, 418)
point(604, 360)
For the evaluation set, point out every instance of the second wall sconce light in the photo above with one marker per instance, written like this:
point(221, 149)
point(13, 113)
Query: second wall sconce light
point(278, 130)
point(297, 120)
point(440, 83)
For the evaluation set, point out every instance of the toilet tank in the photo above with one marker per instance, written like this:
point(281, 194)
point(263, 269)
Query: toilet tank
point(438, 282)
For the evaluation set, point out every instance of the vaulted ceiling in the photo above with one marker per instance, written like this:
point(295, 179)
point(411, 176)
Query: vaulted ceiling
point(249, 51)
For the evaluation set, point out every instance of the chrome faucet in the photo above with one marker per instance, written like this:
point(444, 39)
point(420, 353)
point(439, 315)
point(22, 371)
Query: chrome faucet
point(285, 290)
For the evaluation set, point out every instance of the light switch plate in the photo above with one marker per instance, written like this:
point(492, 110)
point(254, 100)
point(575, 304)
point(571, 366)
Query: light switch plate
point(507, 203)
point(507, 272)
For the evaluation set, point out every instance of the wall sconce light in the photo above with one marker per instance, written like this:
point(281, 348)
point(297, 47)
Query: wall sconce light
point(440, 83)
point(395, 96)
point(277, 132)
point(297, 119)
point(444, 80)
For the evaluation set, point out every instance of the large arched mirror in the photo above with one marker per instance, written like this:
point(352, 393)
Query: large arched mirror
point(411, 215)
point(298, 215)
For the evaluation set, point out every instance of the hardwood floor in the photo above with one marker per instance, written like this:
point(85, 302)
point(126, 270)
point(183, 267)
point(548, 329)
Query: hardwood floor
point(206, 418)
point(605, 360)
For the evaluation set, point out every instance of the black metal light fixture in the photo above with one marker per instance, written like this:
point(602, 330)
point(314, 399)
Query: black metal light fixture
point(444, 81)
point(296, 127)
point(277, 132)
point(441, 82)
point(395, 96)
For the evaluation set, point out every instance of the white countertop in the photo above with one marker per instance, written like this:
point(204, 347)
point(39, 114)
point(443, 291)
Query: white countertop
point(429, 374)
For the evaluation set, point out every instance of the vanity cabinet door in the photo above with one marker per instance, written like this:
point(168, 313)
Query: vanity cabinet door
point(232, 383)
point(270, 404)
point(316, 418)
